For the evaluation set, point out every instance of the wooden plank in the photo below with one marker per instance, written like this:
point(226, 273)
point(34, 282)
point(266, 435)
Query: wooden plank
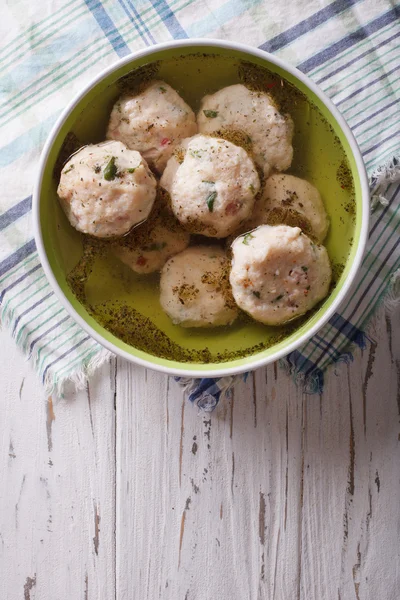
point(277, 495)
point(57, 501)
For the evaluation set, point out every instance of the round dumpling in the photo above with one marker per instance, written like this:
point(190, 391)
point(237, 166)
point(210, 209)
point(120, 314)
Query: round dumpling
point(278, 273)
point(150, 245)
point(152, 122)
point(106, 189)
point(213, 189)
point(293, 201)
point(236, 108)
point(195, 289)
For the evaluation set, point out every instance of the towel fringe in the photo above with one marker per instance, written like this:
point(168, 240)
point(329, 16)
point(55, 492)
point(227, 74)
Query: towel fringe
point(54, 385)
point(387, 173)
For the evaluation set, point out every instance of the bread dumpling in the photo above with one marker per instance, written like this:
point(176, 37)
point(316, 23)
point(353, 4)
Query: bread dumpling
point(195, 289)
point(213, 188)
point(278, 273)
point(236, 108)
point(152, 122)
point(105, 189)
point(290, 200)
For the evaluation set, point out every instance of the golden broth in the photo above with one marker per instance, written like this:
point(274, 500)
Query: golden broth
point(318, 157)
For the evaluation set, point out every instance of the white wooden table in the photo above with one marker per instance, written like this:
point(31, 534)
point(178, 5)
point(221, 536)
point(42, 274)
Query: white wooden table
point(123, 491)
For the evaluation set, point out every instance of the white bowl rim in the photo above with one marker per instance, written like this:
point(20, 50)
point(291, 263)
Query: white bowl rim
point(257, 363)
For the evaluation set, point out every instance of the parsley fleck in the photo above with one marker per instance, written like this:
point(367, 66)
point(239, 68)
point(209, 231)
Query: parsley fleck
point(305, 269)
point(210, 114)
point(68, 170)
point(251, 188)
point(154, 247)
point(247, 238)
point(97, 169)
point(210, 182)
point(132, 170)
point(256, 294)
point(162, 89)
point(278, 298)
point(110, 172)
point(210, 200)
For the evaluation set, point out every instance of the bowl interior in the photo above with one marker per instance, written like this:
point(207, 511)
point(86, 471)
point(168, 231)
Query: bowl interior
point(321, 154)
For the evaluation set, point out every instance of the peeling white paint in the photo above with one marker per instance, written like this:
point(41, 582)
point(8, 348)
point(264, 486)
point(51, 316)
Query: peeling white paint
point(123, 491)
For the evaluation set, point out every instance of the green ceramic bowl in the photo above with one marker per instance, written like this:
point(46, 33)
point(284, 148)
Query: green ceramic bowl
point(323, 146)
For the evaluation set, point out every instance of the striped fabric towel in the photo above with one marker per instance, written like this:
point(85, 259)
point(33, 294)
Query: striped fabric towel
point(52, 48)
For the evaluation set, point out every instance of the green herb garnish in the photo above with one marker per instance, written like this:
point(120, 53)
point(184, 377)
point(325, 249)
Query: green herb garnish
point(132, 170)
point(256, 294)
point(154, 247)
point(251, 188)
point(247, 238)
point(68, 170)
point(110, 172)
point(97, 169)
point(305, 269)
point(278, 298)
point(211, 114)
point(162, 89)
point(210, 182)
point(210, 200)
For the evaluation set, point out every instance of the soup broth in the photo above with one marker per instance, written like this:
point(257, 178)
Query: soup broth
point(127, 304)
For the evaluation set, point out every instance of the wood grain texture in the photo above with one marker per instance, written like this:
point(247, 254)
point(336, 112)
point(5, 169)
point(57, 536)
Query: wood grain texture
point(57, 498)
point(277, 495)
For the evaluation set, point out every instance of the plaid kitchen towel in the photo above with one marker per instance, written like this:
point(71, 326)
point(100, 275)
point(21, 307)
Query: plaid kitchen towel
point(53, 48)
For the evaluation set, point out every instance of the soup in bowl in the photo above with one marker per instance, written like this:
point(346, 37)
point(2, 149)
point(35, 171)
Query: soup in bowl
point(201, 208)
